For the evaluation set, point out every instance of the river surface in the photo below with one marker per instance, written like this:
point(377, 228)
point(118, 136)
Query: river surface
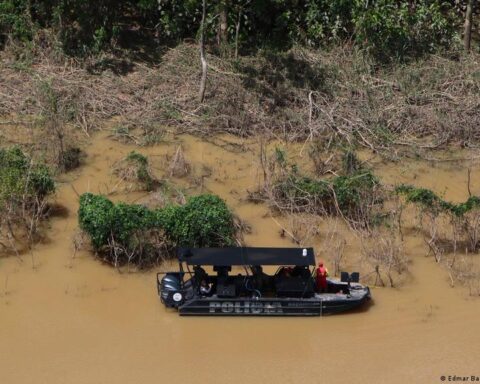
point(68, 318)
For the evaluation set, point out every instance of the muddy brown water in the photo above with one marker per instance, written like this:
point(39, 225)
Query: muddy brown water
point(75, 320)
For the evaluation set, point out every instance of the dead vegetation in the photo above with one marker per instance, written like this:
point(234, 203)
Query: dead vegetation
point(383, 252)
point(297, 95)
point(450, 232)
point(464, 270)
point(179, 166)
point(333, 246)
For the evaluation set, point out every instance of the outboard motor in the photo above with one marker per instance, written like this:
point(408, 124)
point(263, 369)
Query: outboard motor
point(171, 292)
point(345, 277)
point(355, 277)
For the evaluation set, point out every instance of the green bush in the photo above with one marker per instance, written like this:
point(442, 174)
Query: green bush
point(204, 221)
point(96, 215)
point(135, 231)
point(15, 20)
point(351, 191)
point(430, 201)
point(140, 162)
point(24, 187)
point(389, 29)
point(21, 180)
point(392, 30)
point(348, 194)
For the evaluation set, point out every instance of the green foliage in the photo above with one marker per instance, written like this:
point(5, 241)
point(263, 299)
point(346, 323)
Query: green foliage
point(22, 181)
point(280, 157)
point(14, 20)
point(95, 216)
point(430, 201)
point(143, 175)
point(138, 158)
point(388, 29)
point(351, 190)
point(347, 193)
point(41, 181)
point(392, 30)
point(179, 18)
point(203, 221)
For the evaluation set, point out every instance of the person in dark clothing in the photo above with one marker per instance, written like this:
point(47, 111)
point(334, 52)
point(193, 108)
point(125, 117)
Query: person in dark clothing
point(205, 289)
point(260, 278)
point(200, 272)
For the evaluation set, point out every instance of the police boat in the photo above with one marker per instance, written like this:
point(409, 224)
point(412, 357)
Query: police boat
point(289, 291)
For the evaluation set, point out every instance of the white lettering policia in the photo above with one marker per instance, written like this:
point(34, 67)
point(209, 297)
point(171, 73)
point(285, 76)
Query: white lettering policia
point(245, 307)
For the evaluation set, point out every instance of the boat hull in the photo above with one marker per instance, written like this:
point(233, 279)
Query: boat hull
point(319, 305)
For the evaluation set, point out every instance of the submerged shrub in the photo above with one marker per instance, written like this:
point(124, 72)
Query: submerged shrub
point(340, 194)
point(20, 179)
point(131, 233)
point(429, 200)
point(204, 221)
point(71, 158)
point(350, 191)
point(24, 187)
point(464, 219)
point(135, 168)
point(352, 194)
point(95, 216)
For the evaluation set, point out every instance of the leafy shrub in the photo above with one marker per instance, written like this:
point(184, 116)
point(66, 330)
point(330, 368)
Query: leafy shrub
point(133, 233)
point(463, 218)
point(21, 180)
point(352, 191)
point(143, 174)
point(397, 30)
point(352, 196)
point(24, 187)
point(71, 158)
point(204, 221)
point(14, 20)
point(95, 216)
point(429, 200)
point(135, 168)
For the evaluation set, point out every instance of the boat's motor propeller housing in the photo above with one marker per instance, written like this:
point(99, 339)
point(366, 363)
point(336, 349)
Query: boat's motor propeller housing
point(345, 277)
point(171, 292)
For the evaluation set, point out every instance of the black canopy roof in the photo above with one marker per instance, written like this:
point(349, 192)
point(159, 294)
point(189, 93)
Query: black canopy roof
point(246, 256)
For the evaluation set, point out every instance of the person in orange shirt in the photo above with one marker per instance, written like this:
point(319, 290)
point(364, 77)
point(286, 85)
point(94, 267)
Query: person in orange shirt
point(321, 278)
